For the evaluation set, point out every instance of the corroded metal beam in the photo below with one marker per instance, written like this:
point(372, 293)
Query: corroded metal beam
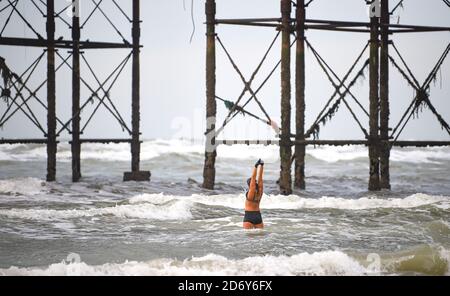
point(64, 44)
point(401, 144)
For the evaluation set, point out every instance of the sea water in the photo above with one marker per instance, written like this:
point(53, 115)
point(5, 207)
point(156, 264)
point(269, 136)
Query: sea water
point(171, 226)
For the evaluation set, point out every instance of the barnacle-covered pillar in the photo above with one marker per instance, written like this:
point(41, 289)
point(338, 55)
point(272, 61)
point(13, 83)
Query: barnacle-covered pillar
point(75, 144)
point(300, 149)
point(384, 98)
point(374, 177)
point(51, 93)
point(136, 174)
point(209, 170)
point(285, 137)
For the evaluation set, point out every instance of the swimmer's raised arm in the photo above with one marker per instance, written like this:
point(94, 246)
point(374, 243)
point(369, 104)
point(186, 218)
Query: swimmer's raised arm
point(260, 178)
point(252, 186)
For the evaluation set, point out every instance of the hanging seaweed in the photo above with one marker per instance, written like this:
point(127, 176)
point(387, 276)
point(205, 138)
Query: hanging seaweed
point(444, 124)
point(315, 129)
point(5, 95)
point(328, 116)
point(434, 78)
point(403, 73)
point(5, 72)
point(402, 8)
point(421, 102)
point(7, 77)
point(360, 76)
point(434, 72)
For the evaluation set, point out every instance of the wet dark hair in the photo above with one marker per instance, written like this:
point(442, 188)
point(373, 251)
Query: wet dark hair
point(249, 180)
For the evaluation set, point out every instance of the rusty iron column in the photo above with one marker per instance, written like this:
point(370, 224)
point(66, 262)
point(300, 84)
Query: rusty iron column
point(75, 144)
point(384, 97)
point(209, 171)
point(374, 179)
point(51, 93)
point(285, 137)
point(300, 150)
point(136, 174)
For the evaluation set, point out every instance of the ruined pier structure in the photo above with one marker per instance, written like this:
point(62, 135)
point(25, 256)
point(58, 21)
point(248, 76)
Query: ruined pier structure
point(19, 93)
point(293, 25)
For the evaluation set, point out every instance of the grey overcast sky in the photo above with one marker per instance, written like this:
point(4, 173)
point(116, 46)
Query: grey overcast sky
point(173, 70)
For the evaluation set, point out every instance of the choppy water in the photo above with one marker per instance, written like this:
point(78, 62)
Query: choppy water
point(171, 226)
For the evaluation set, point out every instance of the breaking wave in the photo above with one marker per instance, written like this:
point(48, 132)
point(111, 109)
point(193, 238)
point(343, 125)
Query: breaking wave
point(170, 207)
point(173, 211)
point(22, 186)
point(157, 148)
point(427, 260)
point(409, 155)
point(296, 202)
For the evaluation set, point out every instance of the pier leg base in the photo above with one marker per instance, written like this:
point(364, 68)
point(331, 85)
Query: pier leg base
point(141, 176)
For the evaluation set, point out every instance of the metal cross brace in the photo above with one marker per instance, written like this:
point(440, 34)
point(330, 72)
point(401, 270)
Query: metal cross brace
point(420, 90)
point(247, 84)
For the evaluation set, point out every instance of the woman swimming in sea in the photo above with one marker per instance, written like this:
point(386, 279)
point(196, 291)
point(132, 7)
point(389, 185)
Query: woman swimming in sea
point(252, 217)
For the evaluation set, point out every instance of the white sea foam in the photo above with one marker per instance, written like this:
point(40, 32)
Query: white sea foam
point(297, 202)
point(179, 210)
point(322, 263)
point(335, 154)
point(149, 150)
point(445, 254)
point(22, 186)
point(243, 152)
point(426, 260)
point(169, 207)
point(102, 152)
point(417, 155)
point(157, 148)
point(428, 155)
point(22, 152)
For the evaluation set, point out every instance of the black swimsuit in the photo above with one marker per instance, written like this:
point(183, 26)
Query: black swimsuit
point(253, 217)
